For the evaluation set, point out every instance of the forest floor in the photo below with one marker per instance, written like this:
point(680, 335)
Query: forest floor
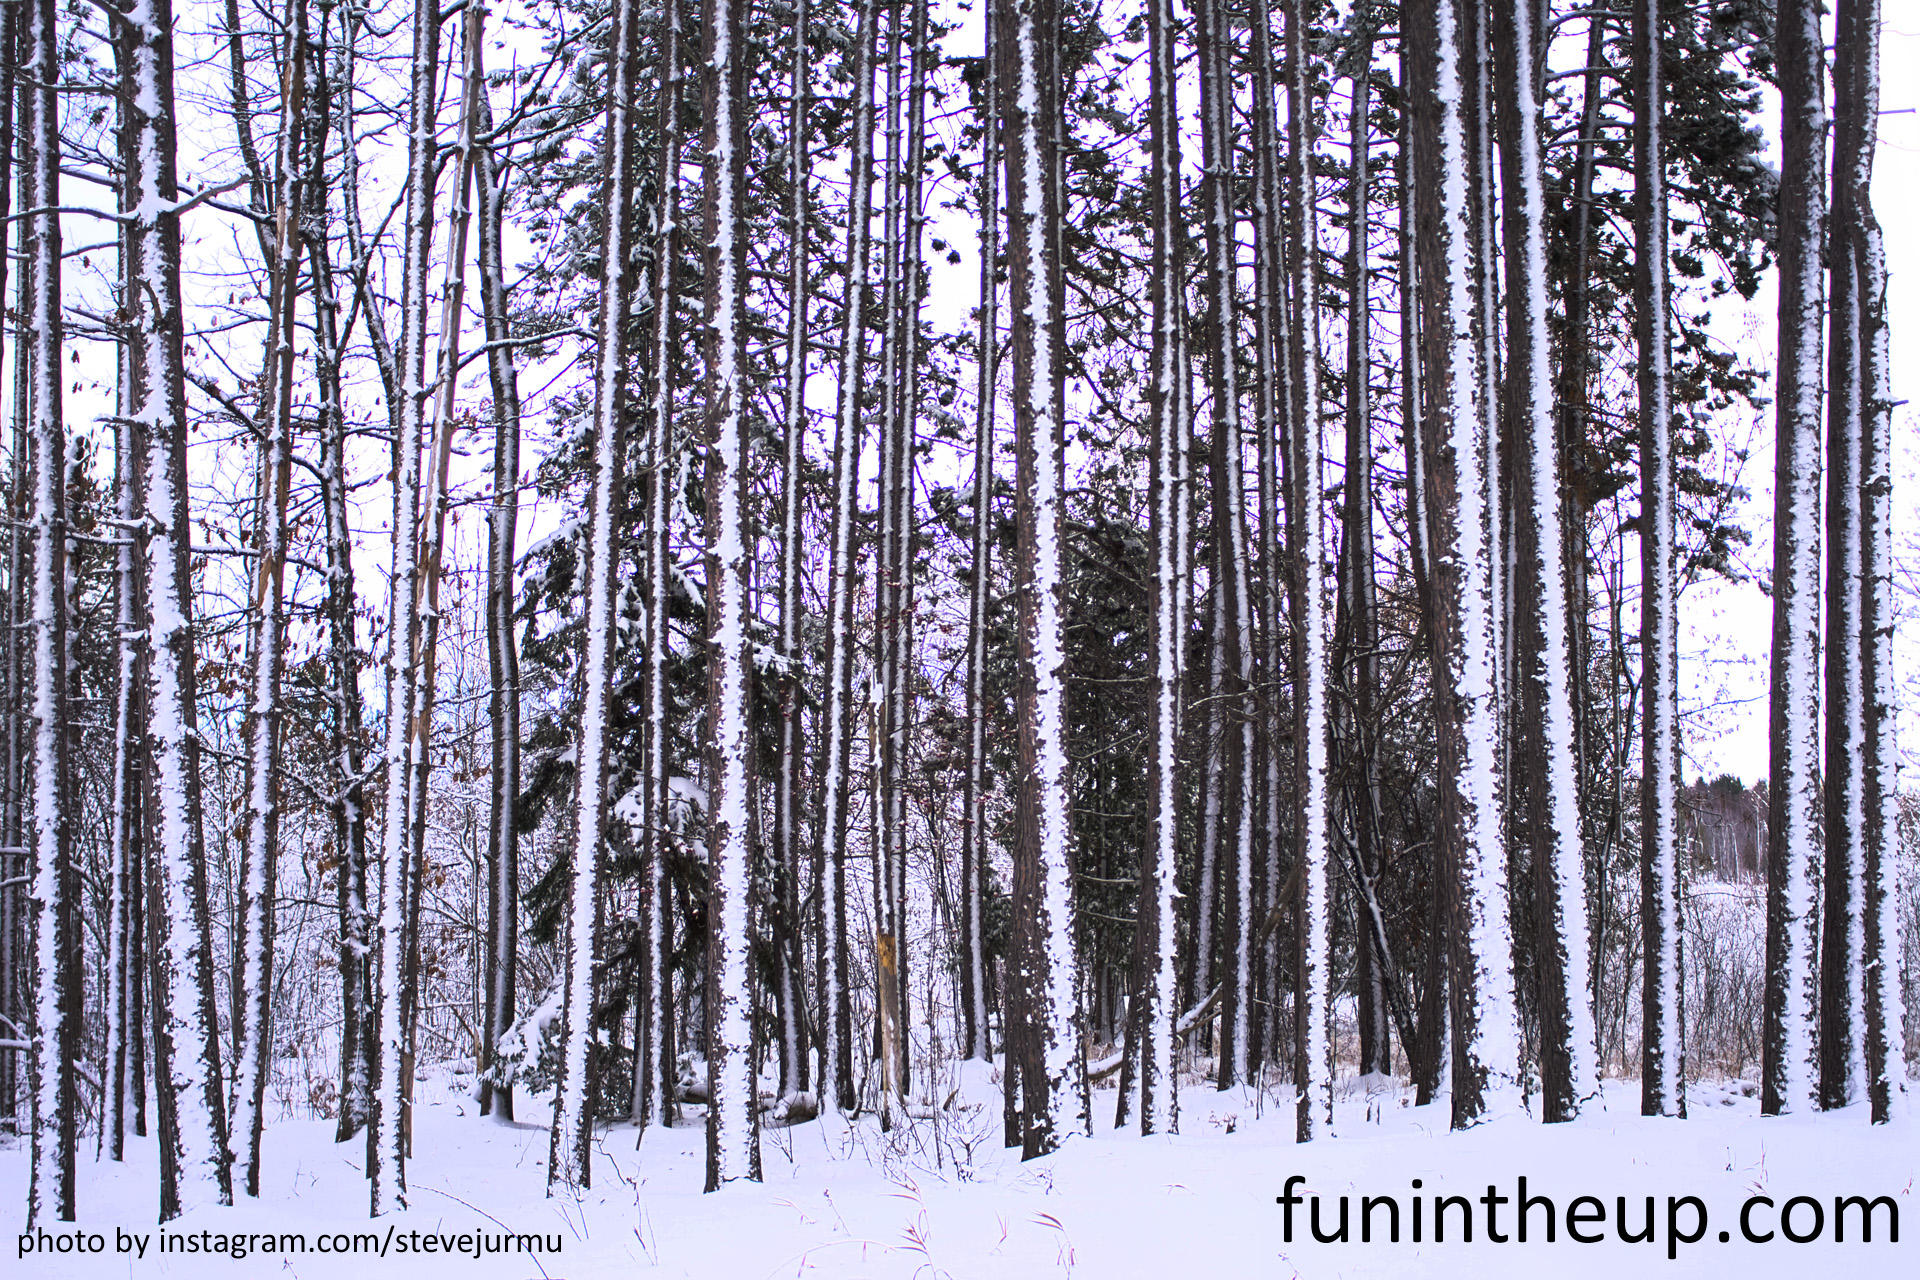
point(941, 1198)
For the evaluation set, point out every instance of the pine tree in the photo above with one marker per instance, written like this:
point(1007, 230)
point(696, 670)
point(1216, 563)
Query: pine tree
point(657, 1040)
point(1156, 942)
point(1663, 1065)
point(1544, 728)
point(1043, 970)
point(733, 1138)
point(1462, 535)
point(54, 923)
point(1787, 1036)
point(836, 739)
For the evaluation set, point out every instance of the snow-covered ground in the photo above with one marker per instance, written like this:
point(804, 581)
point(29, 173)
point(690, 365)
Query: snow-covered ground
point(941, 1199)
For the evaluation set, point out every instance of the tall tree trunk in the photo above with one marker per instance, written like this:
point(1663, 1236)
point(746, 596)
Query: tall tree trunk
point(1273, 410)
point(660, 1062)
point(503, 654)
point(1045, 963)
point(572, 1159)
point(194, 1164)
point(974, 1040)
point(790, 970)
point(1232, 609)
point(1313, 933)
point(1842, 993)
point(53, 925)
point(260, 850)
point(836, 745)
point(1155, 945)
point(733, 1136)
point(1544, 726)
point(1358, 625)
point(1663, 1062)
point(386, 1153)
point(1886, 1068)
point(1461, 535)
point(1788, 1060)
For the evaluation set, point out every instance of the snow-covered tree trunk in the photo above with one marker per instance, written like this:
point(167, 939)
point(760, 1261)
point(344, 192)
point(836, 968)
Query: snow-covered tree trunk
point(126, 857)
point(1359, 625)
point(974, 1041)
point(386, 1153)
point(1788, 1060)
point(1663, 1061)
point(1425, 1060)
point(571, 1164)
point(501, 964)
point(53, 920)
point(348, 803)
point(260, 848)
point(1046, 965)
point(1544, 723)
point(1273, 408)
point(733, 1137)
point(345, 725)
point(786, 792)
point(194, 1164)
point(1887, 1069)
point(1232, 609)
point(1313, 936)
point(902, 223)
point(13, 865)
point(1156, 948)
point(836, 744)
point(656, 1043)
point(1874, 1063)
point(1842, 994)
point(1466, 657)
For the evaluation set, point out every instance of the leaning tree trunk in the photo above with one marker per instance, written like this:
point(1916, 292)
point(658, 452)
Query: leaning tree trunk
point(53, 922)
point(571, 1164)
point(1787, 1046)
point(1663, 1061)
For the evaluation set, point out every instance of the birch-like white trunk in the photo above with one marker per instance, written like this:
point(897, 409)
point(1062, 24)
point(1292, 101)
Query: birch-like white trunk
point(260, 849)
point(386, 1154)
